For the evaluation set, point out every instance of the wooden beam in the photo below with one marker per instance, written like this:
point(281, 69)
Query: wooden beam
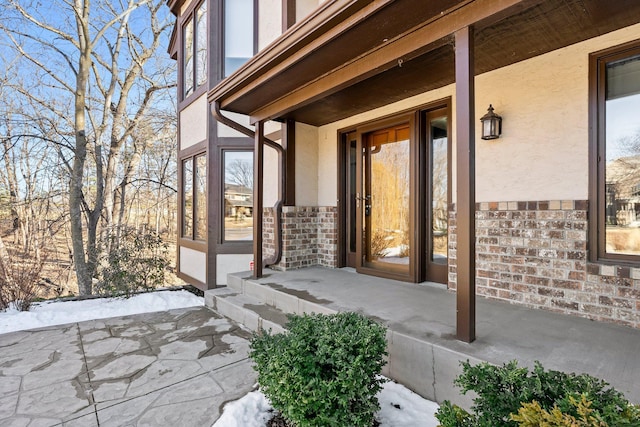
point(465, 186)
point(258, 196)
point(418, 40)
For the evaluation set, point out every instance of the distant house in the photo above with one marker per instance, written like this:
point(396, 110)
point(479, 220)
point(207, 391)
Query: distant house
point(238, 201)
point(361, 123)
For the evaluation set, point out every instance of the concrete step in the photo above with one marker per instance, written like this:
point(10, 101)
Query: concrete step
point(415, 362)
point(248, 311)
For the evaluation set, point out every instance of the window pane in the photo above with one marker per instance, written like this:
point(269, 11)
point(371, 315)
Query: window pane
point(188, 59)
point(201, 48)
point(238, 34)
point(622, 170)
point(201, 198)
point(238, 195)
point(439, 209)
point(187, 198)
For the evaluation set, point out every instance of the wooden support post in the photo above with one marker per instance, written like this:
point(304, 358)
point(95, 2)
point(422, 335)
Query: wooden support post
point(466, 186)
point(258, 193)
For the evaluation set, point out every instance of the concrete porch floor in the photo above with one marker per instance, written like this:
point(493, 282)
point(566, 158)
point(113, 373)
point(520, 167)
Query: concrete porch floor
point(424, 354)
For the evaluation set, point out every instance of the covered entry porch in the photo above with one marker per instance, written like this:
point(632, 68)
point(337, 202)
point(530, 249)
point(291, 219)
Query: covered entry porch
point(350, 58)
point(424, 353)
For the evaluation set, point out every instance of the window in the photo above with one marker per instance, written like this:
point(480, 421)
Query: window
point(195, 50)
point(238, 195)
point(615, 155)
point(194, 198)
point(239, 44)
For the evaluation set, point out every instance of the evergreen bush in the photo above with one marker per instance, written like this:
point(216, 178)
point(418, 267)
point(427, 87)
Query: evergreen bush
point(324, 371)
point(137, 263)
point(503, 390)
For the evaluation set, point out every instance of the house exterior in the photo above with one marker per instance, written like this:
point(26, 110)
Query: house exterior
point(359, 122)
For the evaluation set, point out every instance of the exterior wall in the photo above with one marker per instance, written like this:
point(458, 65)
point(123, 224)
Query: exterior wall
point(309, 237)
point(231, 263)
point(270, 25)
point(535, 253)
point(543, 152)
point(531, 187)
point(328, 139)
point(193, 263)
point(193, 120)
point(307, 165)
point(305, 7)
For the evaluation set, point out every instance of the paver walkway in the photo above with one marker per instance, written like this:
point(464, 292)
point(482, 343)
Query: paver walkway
point(173, 368)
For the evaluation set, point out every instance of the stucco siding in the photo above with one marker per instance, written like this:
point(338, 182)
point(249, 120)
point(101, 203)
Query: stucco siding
point(193, 123)
point(307, 166)
point(193, 263)
point(270, 25)
point(543, 151)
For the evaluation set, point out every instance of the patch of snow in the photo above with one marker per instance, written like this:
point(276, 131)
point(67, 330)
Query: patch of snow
point(399, 407)
point(49, 313)
point(252, 410)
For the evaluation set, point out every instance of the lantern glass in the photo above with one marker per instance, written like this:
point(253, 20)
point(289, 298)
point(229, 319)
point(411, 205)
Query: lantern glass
point(491, 124)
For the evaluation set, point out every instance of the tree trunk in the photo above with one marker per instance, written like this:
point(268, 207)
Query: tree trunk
point(76, 196)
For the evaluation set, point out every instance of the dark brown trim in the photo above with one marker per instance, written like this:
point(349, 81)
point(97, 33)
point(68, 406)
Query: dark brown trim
point(432, 271)
point(361, 136)
point(190, 15)
point(289, 145)
point(185, 102)
point(196, 245)
point(258, 170)
point(194, 282)
point(288, 14)
point(597, 152)
point(193, 150)
point(342, 192)
point(465, 183)
point(424, 37)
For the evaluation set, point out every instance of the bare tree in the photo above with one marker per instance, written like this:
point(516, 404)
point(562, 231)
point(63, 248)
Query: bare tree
point(97, 64)
point(240, 172)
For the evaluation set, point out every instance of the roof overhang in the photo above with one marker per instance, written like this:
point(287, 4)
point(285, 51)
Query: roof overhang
point(325, 68)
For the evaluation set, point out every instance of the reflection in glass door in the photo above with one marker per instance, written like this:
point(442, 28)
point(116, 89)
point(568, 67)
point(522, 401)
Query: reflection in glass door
point(437, 141)
point(385, 201)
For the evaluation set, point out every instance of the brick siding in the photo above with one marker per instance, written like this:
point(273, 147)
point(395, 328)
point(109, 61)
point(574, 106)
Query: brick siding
point(535, 254)
point(309, 237)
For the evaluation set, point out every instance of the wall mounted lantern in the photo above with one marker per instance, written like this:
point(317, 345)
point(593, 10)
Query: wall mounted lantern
point(491, 124)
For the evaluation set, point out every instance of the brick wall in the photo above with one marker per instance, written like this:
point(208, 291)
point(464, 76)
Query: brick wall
point(309, 236)
point(535, 254)
point(268, 232)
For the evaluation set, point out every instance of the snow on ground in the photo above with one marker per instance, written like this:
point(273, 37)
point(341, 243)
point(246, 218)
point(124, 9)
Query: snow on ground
point(399, 407)
point(50, 313)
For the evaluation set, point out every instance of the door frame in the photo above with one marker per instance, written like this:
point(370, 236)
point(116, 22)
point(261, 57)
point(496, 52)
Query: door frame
point(419, 186)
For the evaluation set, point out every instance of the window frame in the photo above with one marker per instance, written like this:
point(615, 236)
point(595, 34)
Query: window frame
point(597, 156)
point(193, 238)
point(256, 35)
point(223, 150)
point(191, 17)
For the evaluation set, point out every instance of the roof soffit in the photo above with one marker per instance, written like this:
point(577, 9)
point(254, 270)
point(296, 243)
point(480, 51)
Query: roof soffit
point(506, 32)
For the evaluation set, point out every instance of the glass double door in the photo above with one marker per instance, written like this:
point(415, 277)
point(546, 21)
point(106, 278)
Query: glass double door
point(397, 187)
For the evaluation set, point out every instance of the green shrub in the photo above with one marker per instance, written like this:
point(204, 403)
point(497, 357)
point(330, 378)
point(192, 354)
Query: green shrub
point(501, 391)
point(533, 415)
point(324, 371)
point(136, 264)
